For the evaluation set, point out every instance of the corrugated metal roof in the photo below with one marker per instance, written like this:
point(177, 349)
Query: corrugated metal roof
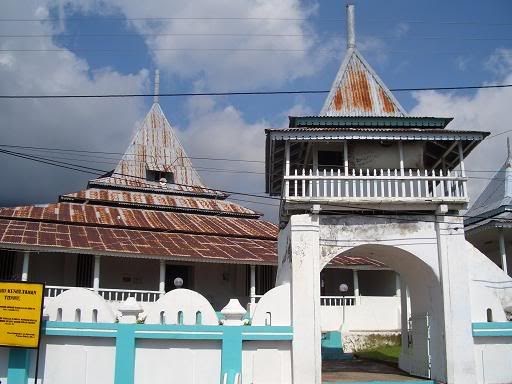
point(358, 91)
point(140, 184)
point(160, 201)
point(117, 241)
point(156, 147)
point(17, 234)
point(70, 213)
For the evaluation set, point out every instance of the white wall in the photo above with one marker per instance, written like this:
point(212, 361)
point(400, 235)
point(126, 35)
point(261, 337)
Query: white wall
point(177, 361)
point(266, 362)
point(493, 357)
point(65, 360)
point(374, 313)
point(4, 359)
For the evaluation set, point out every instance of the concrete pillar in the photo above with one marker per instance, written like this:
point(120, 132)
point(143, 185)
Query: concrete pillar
point(397, 284)
point(96, 278)
point(455, 280)
point(305, 260)
point(503, 253)
point(24, 271)
point(355, 275)
point(161, 283)
point(252, 292)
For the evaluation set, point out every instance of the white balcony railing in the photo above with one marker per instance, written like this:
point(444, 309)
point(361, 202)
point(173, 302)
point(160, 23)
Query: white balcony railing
point(110, 294)
point(376, 185)
point(337, 301)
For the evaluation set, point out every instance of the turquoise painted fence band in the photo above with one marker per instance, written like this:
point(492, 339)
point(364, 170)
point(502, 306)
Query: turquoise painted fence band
point(18, 366)
point(124, 370)
point(231, 360)
point(492, 329)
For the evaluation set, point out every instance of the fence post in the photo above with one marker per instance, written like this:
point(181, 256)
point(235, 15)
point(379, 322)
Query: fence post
point(231, 360)
point(125, 354)
point(18, 366)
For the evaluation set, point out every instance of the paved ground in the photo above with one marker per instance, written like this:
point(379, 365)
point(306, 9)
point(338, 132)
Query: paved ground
point(361, 370)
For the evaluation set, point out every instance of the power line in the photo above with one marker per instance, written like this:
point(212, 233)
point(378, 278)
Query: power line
point(355, 209)
point(241, 93)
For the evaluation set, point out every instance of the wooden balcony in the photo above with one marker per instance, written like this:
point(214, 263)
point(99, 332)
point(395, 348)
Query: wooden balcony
point(375, 186)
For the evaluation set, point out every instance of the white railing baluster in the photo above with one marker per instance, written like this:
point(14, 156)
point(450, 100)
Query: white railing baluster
point(295, 184)
point(310, 183)
point(347, 189)
point(361, 183)
point(317, 192)
point(354, 183)
point(332, 183)
point(382, 191)
point(390, 194)
point(418, 175)
point(427, 191)
point(339, 183)
point(411, 183)
point(375, 185)
point(397, 194)
point(325, 183)
point(449, 183)
point(303, 182)
point(443, 194)
point(457, 189)
point(434, 186)
point(368, 185)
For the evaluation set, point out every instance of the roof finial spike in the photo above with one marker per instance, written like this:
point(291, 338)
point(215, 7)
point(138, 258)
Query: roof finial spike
point(157, 86)
point(351, 32)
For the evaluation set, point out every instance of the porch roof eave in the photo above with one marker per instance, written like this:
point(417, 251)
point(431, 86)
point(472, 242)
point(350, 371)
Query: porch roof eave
point(72, 250)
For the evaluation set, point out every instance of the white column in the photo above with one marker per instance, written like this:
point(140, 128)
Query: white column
point(345, 166)
point(397, 284)
point(253, 285)
point(462, 170)
point(455, 282)
point(305, 255)
point(355, 275)
point(503, 253)
point(96, 279)
point(24, 272)
point(161, 284)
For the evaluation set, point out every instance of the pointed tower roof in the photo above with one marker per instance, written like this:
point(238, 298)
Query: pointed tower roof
point(357, 90)
point(156, 148)
point(497, 194)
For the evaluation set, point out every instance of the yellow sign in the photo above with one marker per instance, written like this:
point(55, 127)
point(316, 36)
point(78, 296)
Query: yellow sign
point(21, 304)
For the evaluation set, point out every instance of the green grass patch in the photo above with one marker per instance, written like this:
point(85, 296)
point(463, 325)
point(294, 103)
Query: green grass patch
point(388, 353)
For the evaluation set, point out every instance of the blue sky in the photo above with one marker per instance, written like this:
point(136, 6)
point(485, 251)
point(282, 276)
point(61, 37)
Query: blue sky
point(114, 47)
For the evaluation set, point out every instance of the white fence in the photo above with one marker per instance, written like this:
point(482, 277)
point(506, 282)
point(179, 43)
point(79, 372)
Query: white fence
point(338, 301)
point(110, 294)
point(376, 184)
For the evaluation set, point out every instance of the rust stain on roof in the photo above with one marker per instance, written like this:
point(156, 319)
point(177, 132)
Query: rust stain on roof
point(70, 213)
point(160, 201)
point(358, 91)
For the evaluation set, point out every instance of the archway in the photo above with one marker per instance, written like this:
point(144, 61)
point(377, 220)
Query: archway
point(423, 347)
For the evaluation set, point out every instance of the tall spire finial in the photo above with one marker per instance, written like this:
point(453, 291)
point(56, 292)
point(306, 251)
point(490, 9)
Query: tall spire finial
point(351, 32)
point(157, 86)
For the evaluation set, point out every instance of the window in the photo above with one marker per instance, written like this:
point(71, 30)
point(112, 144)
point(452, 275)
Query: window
point(8, 265)
point(158, 175)
point(330, 160)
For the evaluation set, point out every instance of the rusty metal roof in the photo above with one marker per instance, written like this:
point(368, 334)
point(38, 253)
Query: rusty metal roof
point(16, 234)
point(358, 91)
point(156, 147)
point(160, 201)
point(97, 215)
point(133, 183)
point(58, 237)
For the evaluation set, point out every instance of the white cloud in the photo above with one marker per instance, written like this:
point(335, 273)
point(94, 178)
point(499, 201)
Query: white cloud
point(247, 64)
point(485, 110)
point(98, 124)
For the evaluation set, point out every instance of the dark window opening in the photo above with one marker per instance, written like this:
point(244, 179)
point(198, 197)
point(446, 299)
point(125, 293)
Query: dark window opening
point(84, 271)
point(8, 265)
point(330, 160)
point(489, 315)
point(158, 175)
